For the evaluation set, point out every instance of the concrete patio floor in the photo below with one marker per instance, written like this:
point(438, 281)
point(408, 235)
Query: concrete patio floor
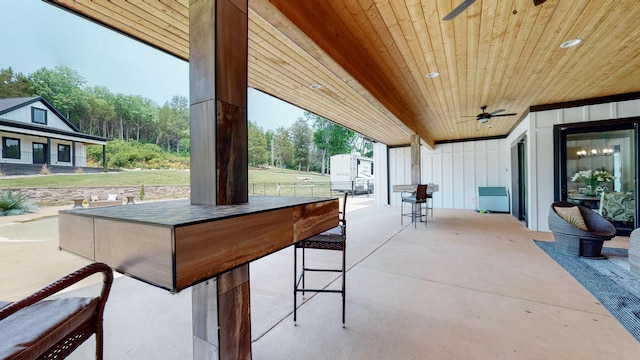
point(466, 286)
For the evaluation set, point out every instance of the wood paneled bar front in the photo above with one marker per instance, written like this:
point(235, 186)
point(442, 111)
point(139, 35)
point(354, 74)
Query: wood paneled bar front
point(174, 244)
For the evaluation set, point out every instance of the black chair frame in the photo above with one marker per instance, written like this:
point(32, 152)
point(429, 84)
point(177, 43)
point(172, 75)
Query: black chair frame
point(416, 199)
point(333, 239)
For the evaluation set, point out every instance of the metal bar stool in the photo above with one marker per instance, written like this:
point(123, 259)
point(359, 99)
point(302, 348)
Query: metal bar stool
point(332, 239)
point(416, 200)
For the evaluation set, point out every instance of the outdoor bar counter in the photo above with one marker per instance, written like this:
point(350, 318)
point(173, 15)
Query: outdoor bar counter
point(174, 245)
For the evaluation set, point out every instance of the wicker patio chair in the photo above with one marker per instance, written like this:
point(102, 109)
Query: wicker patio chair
point(332, 239)
point(40, 328)
point(571, 239)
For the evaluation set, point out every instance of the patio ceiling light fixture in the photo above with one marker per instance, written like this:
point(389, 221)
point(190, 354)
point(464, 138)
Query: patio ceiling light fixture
point(570, 43)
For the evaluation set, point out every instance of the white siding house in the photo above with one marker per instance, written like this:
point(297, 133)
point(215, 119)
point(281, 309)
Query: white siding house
point(32, 131)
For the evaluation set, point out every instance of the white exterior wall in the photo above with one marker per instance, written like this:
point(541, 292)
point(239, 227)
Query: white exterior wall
point(81, 154)
point(26, 149)
point(380, 179)
point(399, 171)
point(23, 114)
point(460, 168)
point(28, 137)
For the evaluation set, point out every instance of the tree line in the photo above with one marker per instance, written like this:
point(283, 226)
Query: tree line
point(97, 111)
point(306, 145)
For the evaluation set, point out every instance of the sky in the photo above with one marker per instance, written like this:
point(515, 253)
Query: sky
point(38, 35)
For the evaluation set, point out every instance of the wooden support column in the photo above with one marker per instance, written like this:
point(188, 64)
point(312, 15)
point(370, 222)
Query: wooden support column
point(218, 31)
point(415, 159)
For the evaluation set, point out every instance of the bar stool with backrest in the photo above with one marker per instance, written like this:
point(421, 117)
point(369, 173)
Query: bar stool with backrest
point(332, 239)
point(416, 200)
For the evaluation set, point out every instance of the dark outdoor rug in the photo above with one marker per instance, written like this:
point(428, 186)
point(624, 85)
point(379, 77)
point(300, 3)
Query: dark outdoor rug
point(610, 281)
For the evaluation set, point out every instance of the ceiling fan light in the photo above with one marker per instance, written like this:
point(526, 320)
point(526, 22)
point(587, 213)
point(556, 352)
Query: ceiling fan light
point(570, 43)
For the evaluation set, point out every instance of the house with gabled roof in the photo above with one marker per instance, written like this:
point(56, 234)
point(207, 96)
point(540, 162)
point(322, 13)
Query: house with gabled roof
point(33, 132)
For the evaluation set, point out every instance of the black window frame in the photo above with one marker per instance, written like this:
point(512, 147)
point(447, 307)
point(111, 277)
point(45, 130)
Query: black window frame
point(560, 132)
point(5, 154)
point(66, 150)
point(35, 110)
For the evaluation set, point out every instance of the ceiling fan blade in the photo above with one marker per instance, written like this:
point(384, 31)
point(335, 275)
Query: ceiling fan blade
point(538, 2)
point(511, 114)
point(465, 4)
point(495, 112)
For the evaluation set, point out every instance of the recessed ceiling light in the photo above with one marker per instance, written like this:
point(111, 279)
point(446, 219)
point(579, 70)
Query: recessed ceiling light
point(570, 43)
point(431, 75)
point(315, 86)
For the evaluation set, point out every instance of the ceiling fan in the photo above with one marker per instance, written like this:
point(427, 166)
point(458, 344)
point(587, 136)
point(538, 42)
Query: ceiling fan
point(466, 3)
point(484, 116)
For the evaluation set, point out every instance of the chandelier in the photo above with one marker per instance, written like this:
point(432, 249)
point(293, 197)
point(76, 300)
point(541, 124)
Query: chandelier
point(595, 152)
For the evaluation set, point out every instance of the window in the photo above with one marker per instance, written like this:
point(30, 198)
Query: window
point(10, 148)
point(605, 146)
point(38, 116)
point(64, 153)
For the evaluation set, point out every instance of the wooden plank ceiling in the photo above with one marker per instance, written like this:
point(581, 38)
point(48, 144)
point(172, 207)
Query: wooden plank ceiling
point(371, 57)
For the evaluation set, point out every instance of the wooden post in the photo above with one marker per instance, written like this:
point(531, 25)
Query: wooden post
point(218, 37)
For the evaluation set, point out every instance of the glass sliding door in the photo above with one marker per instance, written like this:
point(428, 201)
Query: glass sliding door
point(596, 166)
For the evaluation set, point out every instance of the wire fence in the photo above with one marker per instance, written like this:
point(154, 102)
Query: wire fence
point(307, 188)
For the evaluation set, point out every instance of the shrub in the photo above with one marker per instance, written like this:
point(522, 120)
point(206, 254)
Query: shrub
point(141, 192)
point(14, 205)
point(45, 170)
point(132, 154)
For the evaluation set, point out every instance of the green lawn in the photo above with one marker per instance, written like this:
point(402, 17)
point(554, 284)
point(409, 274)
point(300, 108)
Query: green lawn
point(155, 177)
point(112, 179)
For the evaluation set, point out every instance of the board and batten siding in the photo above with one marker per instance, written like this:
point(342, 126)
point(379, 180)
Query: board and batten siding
point(23, 114)
point(381, 187)
point(458, 168)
